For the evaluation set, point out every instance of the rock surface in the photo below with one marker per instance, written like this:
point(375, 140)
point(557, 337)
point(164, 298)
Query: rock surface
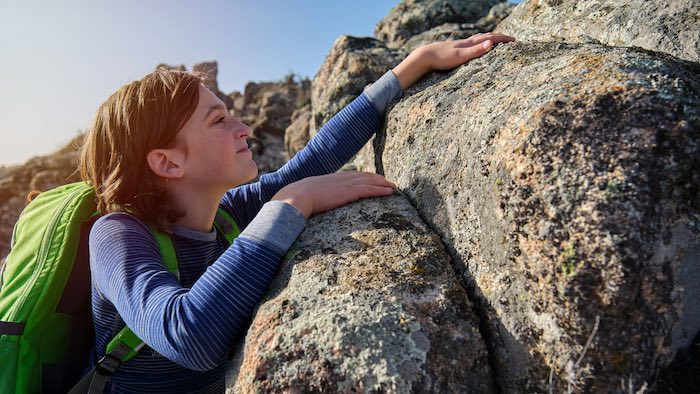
point(297, 134)
point(366, 302)
point(663, 26)
point(456, 31)
point(267, 107)
point(352, 64)
point(411, 17)
point(563, 180)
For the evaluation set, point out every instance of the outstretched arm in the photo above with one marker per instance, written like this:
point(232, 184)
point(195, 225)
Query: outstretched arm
point(321, 193)
point(347, 132)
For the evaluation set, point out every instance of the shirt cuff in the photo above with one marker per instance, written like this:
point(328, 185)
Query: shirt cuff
point(277, 224)
point(385, 90)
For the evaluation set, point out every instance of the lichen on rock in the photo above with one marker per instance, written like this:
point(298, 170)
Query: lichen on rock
point(661, 26)
point(562, 180)
point(366, 301)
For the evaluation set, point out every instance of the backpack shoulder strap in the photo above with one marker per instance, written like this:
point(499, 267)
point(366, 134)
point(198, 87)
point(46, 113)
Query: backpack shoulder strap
point(126, 345)
point(167, 252)
point(226, 225)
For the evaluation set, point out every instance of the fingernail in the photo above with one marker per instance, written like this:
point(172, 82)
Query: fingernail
point(486, 44)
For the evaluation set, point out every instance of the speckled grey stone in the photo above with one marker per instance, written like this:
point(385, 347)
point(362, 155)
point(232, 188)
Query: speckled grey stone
point(672, 27)
point(563, 180)
point(412, 17)
point(366, 302)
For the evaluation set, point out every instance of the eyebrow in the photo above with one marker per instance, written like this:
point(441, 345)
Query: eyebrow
point(212, 109)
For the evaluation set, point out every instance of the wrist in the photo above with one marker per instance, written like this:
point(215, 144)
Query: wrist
point(301, 204)
point(412, 68)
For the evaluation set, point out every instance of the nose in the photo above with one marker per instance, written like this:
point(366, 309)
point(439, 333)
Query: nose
point(240, 129)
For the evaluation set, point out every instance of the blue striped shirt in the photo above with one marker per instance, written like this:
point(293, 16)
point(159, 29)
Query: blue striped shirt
point(190, 326)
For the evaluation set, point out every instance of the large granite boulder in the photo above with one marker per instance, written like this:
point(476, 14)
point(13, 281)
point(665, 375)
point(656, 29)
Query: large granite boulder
point(351, 65)
point(411, 17)
point(662, 26)
point(366, 301)
point(563, 180)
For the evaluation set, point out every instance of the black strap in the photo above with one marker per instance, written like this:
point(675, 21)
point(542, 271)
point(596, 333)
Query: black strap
point(83, 386)
point(225, 225)
point(10, 328)
point(94, 382)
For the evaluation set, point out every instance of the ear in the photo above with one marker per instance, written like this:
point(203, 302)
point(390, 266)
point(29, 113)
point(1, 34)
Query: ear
point(166, 163)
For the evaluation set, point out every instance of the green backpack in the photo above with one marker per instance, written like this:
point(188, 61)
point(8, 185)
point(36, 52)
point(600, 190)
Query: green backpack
point(46, 331)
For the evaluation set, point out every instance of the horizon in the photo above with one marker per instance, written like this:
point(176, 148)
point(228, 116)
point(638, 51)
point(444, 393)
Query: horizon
point(68, 57)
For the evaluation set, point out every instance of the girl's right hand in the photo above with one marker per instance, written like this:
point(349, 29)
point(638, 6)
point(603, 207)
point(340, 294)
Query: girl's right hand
point(445, 55)
point(322, 193)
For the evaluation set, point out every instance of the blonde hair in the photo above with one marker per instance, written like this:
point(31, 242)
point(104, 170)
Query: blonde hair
point(139, 117)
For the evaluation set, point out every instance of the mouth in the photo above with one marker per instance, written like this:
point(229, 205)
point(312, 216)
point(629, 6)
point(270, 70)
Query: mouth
point(243, 150)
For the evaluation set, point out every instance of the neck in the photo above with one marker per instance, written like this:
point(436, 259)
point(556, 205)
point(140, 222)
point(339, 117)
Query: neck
point(200, 209)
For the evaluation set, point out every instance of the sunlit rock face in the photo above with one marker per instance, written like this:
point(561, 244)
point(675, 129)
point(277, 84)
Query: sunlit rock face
point(366, 301)
point(563, 181)
point(661, 26)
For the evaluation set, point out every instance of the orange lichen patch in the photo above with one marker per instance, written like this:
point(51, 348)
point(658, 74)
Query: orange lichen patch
point(420, 113)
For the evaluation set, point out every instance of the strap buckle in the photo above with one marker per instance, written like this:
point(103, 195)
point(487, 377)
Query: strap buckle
point(108, 365)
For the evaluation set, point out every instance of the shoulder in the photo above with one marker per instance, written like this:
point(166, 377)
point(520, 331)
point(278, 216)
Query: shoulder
point(118, 222)
point(120, 230)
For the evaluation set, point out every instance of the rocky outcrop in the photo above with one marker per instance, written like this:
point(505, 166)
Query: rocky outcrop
point(355, 62)
point(352, 64)
point(298, 133)
point(412, 17)
point(563, 181)
point(457, 31)
point(671, 27)
point(267, 107)
point(209, 71)
point(366, 302)
point(37, 174)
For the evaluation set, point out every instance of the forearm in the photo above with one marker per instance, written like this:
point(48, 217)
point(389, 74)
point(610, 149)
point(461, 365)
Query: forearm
point(412, 68)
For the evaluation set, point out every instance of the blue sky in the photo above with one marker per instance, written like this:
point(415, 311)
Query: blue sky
point(61, 59)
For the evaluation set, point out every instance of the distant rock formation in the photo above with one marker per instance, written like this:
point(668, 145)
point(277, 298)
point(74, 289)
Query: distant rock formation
point(267, 107)
point(561, 177)
point(209, 72)
point(39, 173)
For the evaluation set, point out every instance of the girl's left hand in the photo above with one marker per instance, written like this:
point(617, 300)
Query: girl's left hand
point(445, 55)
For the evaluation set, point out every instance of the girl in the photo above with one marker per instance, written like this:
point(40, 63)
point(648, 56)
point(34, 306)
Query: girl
point(164, 151)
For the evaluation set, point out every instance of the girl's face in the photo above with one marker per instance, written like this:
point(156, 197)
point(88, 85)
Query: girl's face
point(216, 154)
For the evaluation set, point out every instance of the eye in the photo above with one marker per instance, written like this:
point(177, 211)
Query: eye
point(221, 119)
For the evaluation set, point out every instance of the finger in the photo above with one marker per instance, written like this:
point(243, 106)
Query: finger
point(366, 191)
point(476, 39)
point(373, 179)
point(475, 51)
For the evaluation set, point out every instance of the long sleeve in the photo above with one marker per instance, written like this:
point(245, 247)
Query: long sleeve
point(193, 327)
